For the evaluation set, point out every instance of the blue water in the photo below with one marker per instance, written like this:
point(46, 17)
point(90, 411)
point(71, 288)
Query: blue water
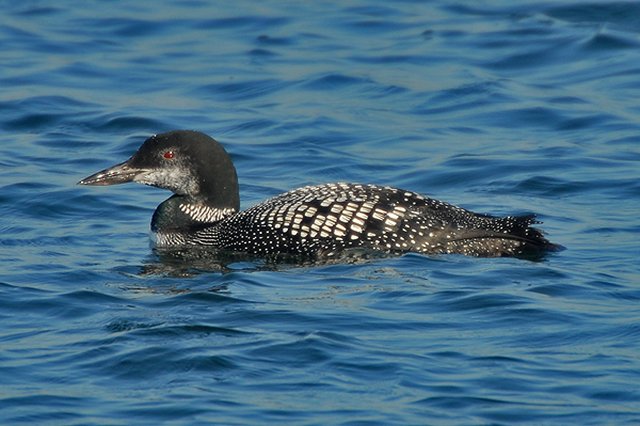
point(499, 108)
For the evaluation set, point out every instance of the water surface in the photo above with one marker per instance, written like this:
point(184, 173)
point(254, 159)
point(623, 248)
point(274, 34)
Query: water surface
point(500, 108)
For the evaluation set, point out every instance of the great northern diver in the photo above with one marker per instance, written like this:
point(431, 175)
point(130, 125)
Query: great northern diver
point(316, 222)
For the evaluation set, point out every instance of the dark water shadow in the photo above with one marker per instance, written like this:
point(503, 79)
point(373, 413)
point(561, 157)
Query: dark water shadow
point(186, 263)
point(191, 262)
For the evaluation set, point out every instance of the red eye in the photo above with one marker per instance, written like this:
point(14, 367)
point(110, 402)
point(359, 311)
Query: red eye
point(169, 155)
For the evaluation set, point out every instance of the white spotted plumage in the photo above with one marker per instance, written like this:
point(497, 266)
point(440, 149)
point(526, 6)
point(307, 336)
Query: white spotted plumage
point(324, 220)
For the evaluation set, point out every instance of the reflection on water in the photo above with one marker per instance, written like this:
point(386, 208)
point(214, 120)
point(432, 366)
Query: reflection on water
point(189, 262)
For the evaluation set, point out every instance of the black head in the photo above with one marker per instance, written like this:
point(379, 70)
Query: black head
point(185, 162)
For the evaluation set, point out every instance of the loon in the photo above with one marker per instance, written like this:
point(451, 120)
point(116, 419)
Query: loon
point(318, 222)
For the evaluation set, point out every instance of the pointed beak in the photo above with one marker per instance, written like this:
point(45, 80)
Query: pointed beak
point(120, 173)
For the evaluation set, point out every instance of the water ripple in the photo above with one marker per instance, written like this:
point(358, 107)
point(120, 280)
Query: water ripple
point(503, 108)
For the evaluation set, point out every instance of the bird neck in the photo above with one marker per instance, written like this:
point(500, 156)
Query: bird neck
point(184, 213)
point(215, 196)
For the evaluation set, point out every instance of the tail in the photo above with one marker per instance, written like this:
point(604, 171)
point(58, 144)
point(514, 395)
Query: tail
point(505, 236)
